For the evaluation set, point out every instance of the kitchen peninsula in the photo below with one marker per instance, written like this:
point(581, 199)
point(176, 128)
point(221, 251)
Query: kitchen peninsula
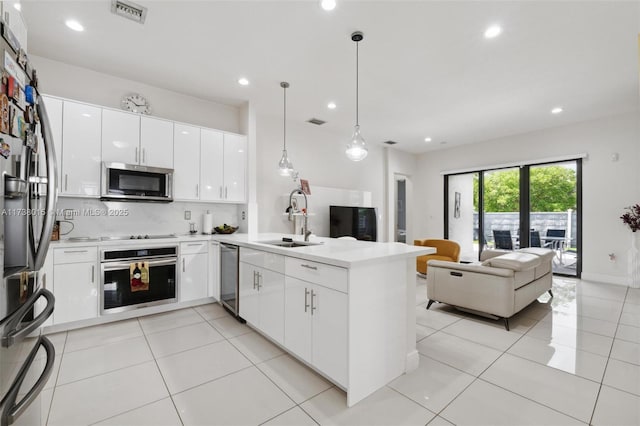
point(345, 308)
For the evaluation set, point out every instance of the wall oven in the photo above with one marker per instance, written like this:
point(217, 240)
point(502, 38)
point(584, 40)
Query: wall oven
point(137, 277)
point(131, 182)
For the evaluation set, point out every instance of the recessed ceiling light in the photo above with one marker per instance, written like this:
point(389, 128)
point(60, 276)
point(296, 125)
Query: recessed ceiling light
point(243, 81)
point(328, 4)
point(331, 105)
point(74, 25)
point(17, 5)
point(427, 139)
point(493, 31)
point(556, 110)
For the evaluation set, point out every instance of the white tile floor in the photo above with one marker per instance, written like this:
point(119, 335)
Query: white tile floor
point(574, 359)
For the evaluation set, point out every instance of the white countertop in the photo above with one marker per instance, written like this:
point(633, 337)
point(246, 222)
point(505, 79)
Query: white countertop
point(344, 253)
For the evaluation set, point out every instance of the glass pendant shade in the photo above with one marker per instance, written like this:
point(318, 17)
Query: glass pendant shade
point(284, 166)
point(356, 148)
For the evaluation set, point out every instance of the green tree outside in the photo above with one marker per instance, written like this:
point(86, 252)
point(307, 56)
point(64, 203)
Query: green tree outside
point(553, 189)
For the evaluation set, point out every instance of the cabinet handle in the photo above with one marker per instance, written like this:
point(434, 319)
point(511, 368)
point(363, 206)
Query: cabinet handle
point(197, 190)
point(136, 155)
point(225, 192)
point(304, 265)
point(220, 192)
point(183, 265)
point(66, 180)
point(76, 251)
point(194, 244)
point(259, 279)
point(313, 295)
point(93, 273)
point(255, 275)
point(144, 156)
point(306, 299)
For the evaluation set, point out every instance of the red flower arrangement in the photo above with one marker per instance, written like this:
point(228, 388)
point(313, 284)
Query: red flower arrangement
point(632, 217)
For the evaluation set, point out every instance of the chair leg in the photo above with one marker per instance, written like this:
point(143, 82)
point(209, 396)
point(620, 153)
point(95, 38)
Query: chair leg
point(550, 293)
point(430, 303)
point(506, 323)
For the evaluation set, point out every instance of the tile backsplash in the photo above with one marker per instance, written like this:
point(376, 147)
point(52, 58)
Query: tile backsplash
point(95, 218)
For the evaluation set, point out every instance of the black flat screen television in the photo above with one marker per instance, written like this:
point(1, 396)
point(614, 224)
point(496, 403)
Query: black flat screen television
point(357, 222)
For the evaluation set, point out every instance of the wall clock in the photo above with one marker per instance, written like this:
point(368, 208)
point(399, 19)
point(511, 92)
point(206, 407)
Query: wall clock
point(136, 103)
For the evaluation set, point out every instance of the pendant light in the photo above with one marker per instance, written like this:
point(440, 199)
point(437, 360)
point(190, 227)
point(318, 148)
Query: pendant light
point(356, 148)
point(284, 166)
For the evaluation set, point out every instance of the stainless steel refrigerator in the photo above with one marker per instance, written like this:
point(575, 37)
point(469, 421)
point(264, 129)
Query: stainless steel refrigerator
point(27, 214)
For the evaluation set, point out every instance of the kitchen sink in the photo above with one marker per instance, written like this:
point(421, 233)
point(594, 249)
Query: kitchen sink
point(288, 244)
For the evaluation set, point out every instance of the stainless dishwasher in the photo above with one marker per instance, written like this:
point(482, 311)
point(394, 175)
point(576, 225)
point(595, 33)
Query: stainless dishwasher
point(229, 284)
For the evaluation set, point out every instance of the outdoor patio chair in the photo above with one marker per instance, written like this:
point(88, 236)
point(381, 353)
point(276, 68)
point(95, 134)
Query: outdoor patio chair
point(535, 239)
point(502, 240)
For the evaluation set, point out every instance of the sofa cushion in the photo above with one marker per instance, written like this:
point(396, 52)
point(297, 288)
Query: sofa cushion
point(546, 256)
point(516, 261)
point(522, 278)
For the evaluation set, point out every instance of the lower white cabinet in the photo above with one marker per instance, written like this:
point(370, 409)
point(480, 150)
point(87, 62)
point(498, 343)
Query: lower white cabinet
point(214, 270)
point(194, 271)
point(316, 326)
point(262, 299)
point(76, 286)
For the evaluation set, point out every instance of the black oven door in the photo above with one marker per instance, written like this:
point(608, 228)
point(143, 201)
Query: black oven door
point(120, 293)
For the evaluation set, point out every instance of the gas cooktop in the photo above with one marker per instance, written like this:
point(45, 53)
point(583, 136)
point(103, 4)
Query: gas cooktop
point(138, 237)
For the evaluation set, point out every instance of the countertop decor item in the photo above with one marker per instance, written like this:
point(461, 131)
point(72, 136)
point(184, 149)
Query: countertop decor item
point(225, 229)
point(356, 148)
point(632, 219)
point(285, 166)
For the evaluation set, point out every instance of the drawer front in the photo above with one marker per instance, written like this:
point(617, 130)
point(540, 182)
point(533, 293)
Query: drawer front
point(75, 255)
point(318, 273)
point(263, 259)
point(195, 247)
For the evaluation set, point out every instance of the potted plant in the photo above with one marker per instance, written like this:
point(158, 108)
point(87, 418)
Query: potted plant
point(631, 218)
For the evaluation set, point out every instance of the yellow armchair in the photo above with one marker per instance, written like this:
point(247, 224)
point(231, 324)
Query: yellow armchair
point(445, 250)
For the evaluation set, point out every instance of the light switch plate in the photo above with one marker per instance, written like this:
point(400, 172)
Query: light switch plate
point(187, 215)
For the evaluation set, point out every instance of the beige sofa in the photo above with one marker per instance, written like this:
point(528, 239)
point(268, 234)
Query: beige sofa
point(501, 285)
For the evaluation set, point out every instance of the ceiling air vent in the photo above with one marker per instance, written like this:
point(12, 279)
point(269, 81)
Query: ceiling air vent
point(390, 142)
point(316, 121)
point(129, 10)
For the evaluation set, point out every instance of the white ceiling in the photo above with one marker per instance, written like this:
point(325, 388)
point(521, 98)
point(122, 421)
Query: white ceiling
point(425, 67)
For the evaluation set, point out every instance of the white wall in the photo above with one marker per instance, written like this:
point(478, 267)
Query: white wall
point(82, 84)
point(608, 186)
point(319, 157)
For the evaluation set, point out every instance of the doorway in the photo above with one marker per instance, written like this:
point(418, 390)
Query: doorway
point(400, 229)
point(535, 205)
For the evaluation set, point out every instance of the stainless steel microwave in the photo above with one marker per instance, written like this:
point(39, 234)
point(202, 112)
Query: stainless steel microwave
point(131, 182)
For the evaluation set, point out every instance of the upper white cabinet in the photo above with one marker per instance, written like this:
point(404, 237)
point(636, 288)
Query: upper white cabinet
point(120, 137)
point(211, 170)
point(235, 165)
point(54, 112)
point(133, 139)
point(186, 162)
point(81, 135)
point(156, 142)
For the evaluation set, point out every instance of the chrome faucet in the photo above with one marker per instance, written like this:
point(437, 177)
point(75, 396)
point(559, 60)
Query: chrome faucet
point(305, 228)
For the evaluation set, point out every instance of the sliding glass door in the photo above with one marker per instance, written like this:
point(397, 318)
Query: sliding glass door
point(553, 215)
point(534, 205)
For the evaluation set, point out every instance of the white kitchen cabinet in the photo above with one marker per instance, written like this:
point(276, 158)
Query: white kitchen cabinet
point(186, 162)
point(81, 159)
point(211, 165)
point(120, 137)
point(156, 142)
point(316, 326)
point(235, 167)
point(54, 112)
point(194, 268)
point(214, 270)
point(76, 275)
point(262, 291)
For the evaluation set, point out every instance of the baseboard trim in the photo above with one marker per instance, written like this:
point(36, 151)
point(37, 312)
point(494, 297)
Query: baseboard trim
point(604, 278)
